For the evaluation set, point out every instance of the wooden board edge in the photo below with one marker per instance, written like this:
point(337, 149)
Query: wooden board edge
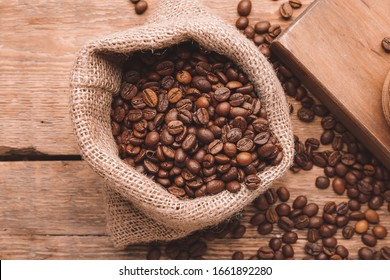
point(338, 109)
point(386, 99)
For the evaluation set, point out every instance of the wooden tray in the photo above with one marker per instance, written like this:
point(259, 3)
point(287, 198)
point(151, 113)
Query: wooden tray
point(386, 99)
point(334, 47)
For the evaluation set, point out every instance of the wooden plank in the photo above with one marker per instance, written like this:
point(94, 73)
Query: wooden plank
point(346, 65)
point(37, 50)
point(50, 198)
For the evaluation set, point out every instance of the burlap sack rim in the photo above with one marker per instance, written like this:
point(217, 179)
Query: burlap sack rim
point(105, 46)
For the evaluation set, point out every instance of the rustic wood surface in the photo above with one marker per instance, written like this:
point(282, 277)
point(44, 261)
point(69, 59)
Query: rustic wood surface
point(352, 48)
point(54, 209)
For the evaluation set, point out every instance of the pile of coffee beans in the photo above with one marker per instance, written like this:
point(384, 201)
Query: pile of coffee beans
point(191, 120)
point(349, 169)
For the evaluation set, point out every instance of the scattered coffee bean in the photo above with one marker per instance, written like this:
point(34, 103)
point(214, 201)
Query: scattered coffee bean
point(286, 10)
point(379, 231)
point(141, 7)
point(386, 44)
point(244, 7)
point(295, 4)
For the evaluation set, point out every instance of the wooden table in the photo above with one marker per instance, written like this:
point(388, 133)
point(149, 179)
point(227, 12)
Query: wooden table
point(51, 206)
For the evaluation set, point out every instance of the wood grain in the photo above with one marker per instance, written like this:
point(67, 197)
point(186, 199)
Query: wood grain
point(38, 44)
point(44, 215)
point(346, 65)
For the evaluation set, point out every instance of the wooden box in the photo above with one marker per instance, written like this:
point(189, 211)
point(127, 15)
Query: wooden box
point(334, 47)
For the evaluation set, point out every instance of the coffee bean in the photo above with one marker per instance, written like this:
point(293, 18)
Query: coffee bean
point(379, 231)
point(283, 209)
point(175, 127)
point(295, 4)
point(365, 253)
point(141, 7)
point(386, 44)
point(252, 181)
point(257, 219)
point(215, 147)
point(245, 144)
point(262, 27)
point(283, 194)
point(306, 115)
point(310, 210)
point(271, 215)
point(342, 208)
point(244, 158)
point(275, 243)
point(313, 235)
point(265, 253)
point(215, 186)
point(371, 216)
point(290, 237)
point(316, 222)
point(361, 226)
point(242, 23)
point(288, 251)
point(300, 202)
point(313, 249)
point(265, 228)
point(385, 252)
point(348, 232)
point(152, 138)
point(301, 222)
point(244, 7)
point(238, 255)
point(356, 215)
point(286, 10)
point(274, 30)
point(322, 182)
point(369, 239)
point(286, 223)
point(338, 186)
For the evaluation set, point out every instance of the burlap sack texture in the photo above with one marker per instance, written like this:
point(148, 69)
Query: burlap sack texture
point(138, 209)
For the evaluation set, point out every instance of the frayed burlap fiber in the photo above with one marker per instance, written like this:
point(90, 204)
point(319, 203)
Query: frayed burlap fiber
point(138, 209)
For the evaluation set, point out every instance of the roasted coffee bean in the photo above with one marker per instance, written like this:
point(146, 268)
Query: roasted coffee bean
point(369, 239)
point(301, 221)
point(271, 215)
point(274, 30)
point(313, 249)
point(215, 186)
point(385, 252)
point(338, 186)
point(238, 255)
point(361, 226)
point(313, 235)
point(244, 7)
point(310, 210)
point(286, 223)
point(306, 115)
point(258, 219)
point(175, 127)
point(342, 208)
point(300, 202)
point(295, 4)
point(365, 253)
point(375, 202)
point(244, 158)
point(329, 242)
point(252, 181)
point(290, 237)
point(283, 209)
point(371, 216)
point(215, 147)
point(356, 216)
point(141, 7)
point(327, 137)
point(348, 232)
point(386, 44)
point(288, 251)
point(322, 182)
point(316, 222)
point(379, 231)
point(245, 144)
point(265, 228)
point(150, 97)
point(242, 23)
point(265, 253)
point(283, 194)
point(330, 207)
point(286, 10)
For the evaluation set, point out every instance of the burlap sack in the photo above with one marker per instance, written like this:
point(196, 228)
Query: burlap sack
point(138, 209)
